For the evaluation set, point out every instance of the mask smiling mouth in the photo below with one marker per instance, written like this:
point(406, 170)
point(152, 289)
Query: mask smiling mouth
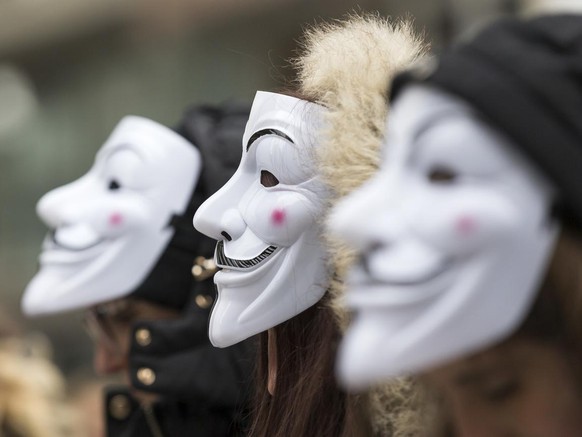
point(372, 291)
point(57, 252)
point(226, 262)
point(52, 242)
point(403, 264)
point(439, 270)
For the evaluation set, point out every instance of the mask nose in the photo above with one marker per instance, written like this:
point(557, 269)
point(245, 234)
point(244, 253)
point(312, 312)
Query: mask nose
point(384, 230)
point(232, 225)
point(366, 218)
point(385, 227)
point(218, 219)
point(56, 209)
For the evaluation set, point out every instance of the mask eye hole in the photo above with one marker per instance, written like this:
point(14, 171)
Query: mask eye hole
point(268, 179)
point(441, 175)
point(113, 185)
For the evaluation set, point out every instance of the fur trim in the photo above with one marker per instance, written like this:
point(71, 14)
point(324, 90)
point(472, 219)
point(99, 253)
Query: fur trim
point(347, 66)
point(32, 393)
point(404, 408)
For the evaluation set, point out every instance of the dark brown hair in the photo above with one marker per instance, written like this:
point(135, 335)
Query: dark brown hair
point(556, 314)
point(307, 400)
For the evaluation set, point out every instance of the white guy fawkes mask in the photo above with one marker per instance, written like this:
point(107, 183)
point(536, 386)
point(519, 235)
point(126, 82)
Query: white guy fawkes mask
point(455, 232)
point(109, 227)
point(266, 220)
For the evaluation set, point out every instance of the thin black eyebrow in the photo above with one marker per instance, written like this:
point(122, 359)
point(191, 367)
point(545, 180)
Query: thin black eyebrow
point(425, 126)
point(258, 134)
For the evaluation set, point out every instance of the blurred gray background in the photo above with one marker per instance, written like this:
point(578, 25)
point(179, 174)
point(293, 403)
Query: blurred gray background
point(70, 70)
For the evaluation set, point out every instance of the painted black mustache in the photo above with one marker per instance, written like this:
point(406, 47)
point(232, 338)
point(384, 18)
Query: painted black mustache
point(224, 261)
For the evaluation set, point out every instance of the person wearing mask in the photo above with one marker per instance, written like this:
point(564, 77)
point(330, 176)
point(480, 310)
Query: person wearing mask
point(276, 268)
point(122, 248)
point(470, 235)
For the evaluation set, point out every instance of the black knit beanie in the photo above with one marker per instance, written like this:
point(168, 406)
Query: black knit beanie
point(217, 133)
point(525, 78)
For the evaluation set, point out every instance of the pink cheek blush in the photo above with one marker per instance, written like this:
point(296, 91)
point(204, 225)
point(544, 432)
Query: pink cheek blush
point(278, 217)
point(466, 225)
point(115, 219)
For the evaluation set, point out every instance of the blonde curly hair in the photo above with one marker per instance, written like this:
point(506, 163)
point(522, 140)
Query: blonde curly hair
point(347, 66)
point(32, 391)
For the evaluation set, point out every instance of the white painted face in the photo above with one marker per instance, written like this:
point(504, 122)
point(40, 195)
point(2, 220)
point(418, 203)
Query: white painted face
point(109, 227)
point(266, 221)
point(455, 234)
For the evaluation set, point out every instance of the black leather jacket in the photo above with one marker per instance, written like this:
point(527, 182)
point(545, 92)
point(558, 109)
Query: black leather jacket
point(203, 391)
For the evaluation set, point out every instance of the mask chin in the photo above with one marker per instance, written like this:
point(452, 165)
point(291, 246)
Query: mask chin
point(110, 274)
point(292, 281)
point(365, 338)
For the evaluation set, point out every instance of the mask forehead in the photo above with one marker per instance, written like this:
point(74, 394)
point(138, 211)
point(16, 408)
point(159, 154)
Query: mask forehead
point(149, 136)
point(460, 230)
point(299, 120)
point(289, 123)
point(160, 151)
point(446, 132)
point(413, 114)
